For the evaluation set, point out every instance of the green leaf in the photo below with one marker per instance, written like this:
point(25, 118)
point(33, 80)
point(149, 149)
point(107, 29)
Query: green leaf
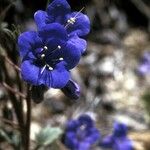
point(48, 135)
point(4, 135)
point(16, 139)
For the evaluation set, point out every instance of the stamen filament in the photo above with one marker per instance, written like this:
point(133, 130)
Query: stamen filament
point(79, 12)
point(43, 69)
point(73, 19)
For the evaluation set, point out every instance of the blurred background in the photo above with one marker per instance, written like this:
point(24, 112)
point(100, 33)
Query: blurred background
point(114, 72)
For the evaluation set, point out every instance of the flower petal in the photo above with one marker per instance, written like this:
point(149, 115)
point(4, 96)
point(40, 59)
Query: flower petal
point(72, 125)
point(27, 42)
point(124, 144)
point(40, 18)
point(81, 26)
point(57, 11)
point(120, 129)
point(71, 140)
point(107, 142)
point(93, 135)
point(60, 76)
point(80, 43)
point(72, 90)
point(53, 30)
point(33, 74)
point(71, 52)
point(85, 119)
point(30, 72)
point(84, 146)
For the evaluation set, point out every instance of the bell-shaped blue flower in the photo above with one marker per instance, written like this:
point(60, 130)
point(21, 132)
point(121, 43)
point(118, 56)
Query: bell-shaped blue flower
point(81, 133)
point(75, 23)
point(118, 139)
point(71, 90)
point(48, 55)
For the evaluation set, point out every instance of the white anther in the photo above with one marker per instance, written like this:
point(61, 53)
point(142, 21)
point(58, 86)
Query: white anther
point(59, 47)
point(49, 67)
point(61, 58)
point(43, 55)
point(45, 48)
point(72, 20)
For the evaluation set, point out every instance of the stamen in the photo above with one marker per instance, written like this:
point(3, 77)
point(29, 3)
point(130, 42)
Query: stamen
point(56, 60)
point(49, 67)
point(61, 59)
point(42, 56)
point(72, 20)
point(79, 12)
point(43, 69)
point(45, 48)
point(59, 47)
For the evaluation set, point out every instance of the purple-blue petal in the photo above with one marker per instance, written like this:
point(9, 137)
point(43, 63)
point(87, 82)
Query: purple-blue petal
point(86, 120)
point(30, 72)
point(120, 130)
point(72, 125)
point(28, 41)
point(93, 136)
point(143, 69)
point(40, 18)
point(34, 75)
point(72, 90)
point(57, 11)
point(71, 53)
point(107, 142)
point(123, 144)
point(84, 146)
point(81, 44)
point(53, 30)
point(71, 140)
point(81, 27)
point(60, 75)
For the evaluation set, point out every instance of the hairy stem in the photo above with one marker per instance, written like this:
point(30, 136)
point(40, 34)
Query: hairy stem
point(8, 84)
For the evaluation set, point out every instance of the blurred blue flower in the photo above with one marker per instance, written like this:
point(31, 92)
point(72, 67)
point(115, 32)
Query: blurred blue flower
point(144, 66)
point(118, 140)
point(76, 23)
point(81, 134)
point(72, 90)
point(48, 55)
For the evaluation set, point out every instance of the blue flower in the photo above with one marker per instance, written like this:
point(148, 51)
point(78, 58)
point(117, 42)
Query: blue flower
point(76, 23)
point(72, 90)
point(48, 55)
point(144, 66)
point(81, 134)
point(118, 140)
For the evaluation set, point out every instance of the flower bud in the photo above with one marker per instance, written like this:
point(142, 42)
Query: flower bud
point(72, 90)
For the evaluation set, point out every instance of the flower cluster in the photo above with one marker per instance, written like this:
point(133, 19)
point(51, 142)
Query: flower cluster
point(118, 139)
point(49, 53)
point(81, 134)
point(144, 66)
